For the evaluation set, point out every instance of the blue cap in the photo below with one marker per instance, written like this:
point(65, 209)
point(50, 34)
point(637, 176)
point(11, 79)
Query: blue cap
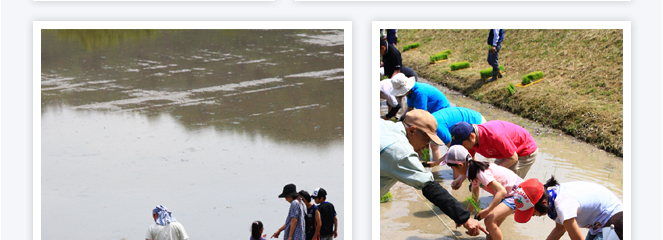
point(459, 132)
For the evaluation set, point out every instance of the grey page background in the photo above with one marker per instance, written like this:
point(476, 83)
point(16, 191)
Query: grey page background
point(16, 76)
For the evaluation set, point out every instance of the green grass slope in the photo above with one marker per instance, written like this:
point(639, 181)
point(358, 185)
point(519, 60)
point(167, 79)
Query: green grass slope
point(583, 86)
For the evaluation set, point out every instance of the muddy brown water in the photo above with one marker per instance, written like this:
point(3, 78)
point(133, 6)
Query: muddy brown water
point(210, 123)
point(409, 215)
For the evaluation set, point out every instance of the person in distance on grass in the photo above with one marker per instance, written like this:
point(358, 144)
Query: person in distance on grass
point(392, 62)
point(511, 145)
point(497, 180)
point(294, 223)
point(165, 227)
point(419, 95)
point(313, 220)
point(571, 205)
point(392, 38)
point(495, 37)
point(329, 228)
point(399, 144)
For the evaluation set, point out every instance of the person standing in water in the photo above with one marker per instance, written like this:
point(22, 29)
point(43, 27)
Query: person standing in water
point(165, 227)
point(294, 223)
point(256, 231)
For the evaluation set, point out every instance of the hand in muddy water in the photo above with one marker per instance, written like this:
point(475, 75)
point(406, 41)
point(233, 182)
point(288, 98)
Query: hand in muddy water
point(473, 227)
point(455, 185)
point(482, 214)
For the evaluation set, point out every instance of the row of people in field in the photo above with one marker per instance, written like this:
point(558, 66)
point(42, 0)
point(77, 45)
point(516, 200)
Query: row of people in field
point(305, 220)
point(429, 118)
point(571, 205)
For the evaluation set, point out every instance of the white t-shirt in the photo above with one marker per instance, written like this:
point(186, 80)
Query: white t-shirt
point(385, 92)
point(171, 231)
point(590, 204)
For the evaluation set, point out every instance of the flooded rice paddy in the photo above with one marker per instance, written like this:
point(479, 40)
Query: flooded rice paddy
point(210, 123)
point(409, 215)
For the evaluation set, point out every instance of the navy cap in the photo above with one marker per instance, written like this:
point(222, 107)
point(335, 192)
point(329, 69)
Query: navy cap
point(319, 193)
point(459, 132)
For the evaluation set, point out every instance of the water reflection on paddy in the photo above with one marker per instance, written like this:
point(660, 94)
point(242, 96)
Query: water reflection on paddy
point(210, 123)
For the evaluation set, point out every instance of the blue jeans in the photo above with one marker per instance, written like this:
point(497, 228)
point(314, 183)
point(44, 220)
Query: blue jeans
point(598, 236)
point(493, 57)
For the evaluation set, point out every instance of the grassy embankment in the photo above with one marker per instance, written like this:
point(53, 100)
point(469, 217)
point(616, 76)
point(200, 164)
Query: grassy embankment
point(580, 94)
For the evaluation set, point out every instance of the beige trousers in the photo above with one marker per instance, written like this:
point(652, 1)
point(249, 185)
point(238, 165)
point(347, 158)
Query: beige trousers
point(523, 165)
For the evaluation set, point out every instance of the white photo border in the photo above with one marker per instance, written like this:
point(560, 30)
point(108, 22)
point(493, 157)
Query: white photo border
point(346, 26)
point(375, 98)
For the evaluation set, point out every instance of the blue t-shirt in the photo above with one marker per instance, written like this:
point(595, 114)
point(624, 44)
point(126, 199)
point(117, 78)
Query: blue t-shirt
point(449, 116)
point(427, 97)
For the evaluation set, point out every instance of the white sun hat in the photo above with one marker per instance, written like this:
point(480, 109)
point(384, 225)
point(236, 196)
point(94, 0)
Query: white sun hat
point(402, 84)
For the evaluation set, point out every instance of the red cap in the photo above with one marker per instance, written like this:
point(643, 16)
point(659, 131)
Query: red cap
point(527, 195)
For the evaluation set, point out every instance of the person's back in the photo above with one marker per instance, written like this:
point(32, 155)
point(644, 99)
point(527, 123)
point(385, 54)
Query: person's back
point(590, 203)
point(165, 226)
point(500, 135)
point(393, 62)
point(426, 97)
point(447, 117)
point(327, 214)
point(170, 231)
point(310, 223)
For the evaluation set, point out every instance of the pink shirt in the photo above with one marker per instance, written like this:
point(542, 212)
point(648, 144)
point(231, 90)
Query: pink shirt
point(500, 139)
point(502, 175)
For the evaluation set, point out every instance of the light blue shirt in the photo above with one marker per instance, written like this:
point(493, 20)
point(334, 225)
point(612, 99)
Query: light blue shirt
point(447, 117)
point(427, 97)
point(398, 160)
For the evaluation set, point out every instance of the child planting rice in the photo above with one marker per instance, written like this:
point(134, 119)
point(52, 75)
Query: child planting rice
point(571, 205)
point(495, 179)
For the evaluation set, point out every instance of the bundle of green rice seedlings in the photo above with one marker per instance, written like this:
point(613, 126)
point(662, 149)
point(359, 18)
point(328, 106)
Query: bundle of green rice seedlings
point(425, 154)
point(488, 72)
point(411, 46)
point(438, 57)
point(531, 77)
point(511, 89)
point(459, 65)
point(474, 204)
point(387, 197)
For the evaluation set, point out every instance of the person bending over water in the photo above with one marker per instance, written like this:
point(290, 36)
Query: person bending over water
point(495, 179)
point(571, 205)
